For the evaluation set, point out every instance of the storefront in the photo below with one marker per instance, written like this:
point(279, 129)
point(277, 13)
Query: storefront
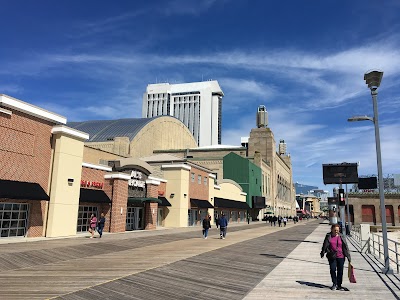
point(234, 211)
point(92, 201)
point(198, 211)
point(40, 166)
point(20, 207)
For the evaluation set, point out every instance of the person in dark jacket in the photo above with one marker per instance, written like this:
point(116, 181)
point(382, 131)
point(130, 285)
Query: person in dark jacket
point(223, 224)
point(336, 249)
point(100, 225)
point(206, 226)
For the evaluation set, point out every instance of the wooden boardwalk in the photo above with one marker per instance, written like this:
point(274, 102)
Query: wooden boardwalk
point(148, 265)
point(255, 262)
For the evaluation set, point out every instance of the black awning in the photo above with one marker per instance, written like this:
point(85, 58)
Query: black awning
point(93, 196)
point(201, 203)
point(164, 202)
point(226, 203)
point(22, 190)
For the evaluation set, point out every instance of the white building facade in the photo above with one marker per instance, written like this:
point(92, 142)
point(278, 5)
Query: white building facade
point(197, 104)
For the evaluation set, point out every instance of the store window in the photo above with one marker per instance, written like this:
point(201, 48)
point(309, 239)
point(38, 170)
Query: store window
point(13, 219)
point(84, 214)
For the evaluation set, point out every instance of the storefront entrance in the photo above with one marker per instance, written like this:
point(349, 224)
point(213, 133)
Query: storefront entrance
point(13, 219)
point(84, 214)
point(134, 218)
point(192, 217)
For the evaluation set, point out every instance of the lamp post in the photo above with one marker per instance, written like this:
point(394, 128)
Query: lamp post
point(373, 80)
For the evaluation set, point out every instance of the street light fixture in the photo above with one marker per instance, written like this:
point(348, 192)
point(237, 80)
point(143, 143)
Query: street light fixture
point(360, 118)
point(373, 80)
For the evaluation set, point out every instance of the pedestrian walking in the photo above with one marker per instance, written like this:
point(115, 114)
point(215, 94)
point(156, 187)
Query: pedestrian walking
point(100, 225)
point(279, 221)
point(284, 221)
point(274, 219)
point(248, 218)
point(336, 250)
point(206, 226)
point(223, 224)
point(92, 225)
point(217, 222)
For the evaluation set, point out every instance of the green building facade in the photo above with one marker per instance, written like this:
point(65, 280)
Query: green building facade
point(245, 173)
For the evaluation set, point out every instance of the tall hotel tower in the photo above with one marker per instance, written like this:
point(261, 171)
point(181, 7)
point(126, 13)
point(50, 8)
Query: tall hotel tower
point(197, 104)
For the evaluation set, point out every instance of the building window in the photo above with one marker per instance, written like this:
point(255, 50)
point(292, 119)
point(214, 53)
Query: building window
point(13, 219)
point(205, 180)
point(192, 177)
point(84, 213)
point(199, 179)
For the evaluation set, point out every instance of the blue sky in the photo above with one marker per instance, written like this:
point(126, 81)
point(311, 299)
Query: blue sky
point(303, 60)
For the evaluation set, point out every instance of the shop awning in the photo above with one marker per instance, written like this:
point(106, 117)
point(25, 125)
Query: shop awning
point(164, 202)
point(201, 203)
point(22, 190)
point(226, 203)
point(93, 196)
point(142, 200)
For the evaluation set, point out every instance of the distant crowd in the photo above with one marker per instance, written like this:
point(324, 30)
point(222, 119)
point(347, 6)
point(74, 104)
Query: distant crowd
point(281, 220)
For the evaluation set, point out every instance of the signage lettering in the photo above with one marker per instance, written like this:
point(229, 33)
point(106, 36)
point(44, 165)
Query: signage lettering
point(135, 180)
point(95, 184)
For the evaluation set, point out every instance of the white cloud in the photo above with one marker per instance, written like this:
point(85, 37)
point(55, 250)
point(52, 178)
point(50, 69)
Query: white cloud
point(244, 87)
point(10, 88)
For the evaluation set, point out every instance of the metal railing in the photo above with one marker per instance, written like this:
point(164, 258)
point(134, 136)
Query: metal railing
point(356, 232)
point(376, 248)
point(373, 244)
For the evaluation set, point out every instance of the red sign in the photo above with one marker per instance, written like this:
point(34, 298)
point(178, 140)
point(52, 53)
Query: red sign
point(95, 184)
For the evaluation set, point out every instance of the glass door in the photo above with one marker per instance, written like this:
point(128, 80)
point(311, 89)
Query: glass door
point(192, 217)
point(134, 218)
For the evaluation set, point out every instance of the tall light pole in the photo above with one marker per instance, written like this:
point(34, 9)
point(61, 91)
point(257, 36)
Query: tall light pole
point(373, 80)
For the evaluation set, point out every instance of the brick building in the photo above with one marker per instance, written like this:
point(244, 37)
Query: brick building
point(50, 182)
point(40, 168)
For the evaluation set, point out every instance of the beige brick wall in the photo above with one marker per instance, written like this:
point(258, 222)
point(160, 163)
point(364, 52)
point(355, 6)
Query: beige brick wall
point(93, 155)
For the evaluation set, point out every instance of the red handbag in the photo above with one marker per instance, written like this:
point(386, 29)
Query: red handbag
point(352, 276)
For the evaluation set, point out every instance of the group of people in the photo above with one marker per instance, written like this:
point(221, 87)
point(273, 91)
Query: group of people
point(220, 222)
point(96, 224)
point(273, 219)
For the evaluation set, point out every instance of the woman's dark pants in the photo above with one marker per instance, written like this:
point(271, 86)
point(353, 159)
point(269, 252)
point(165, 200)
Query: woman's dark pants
point(338, 264)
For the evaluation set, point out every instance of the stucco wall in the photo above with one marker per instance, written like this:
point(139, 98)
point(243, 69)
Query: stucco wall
point(64, 196)
point(178, 184)
point(161, 133)
point(229, 191)
point(93, 155)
